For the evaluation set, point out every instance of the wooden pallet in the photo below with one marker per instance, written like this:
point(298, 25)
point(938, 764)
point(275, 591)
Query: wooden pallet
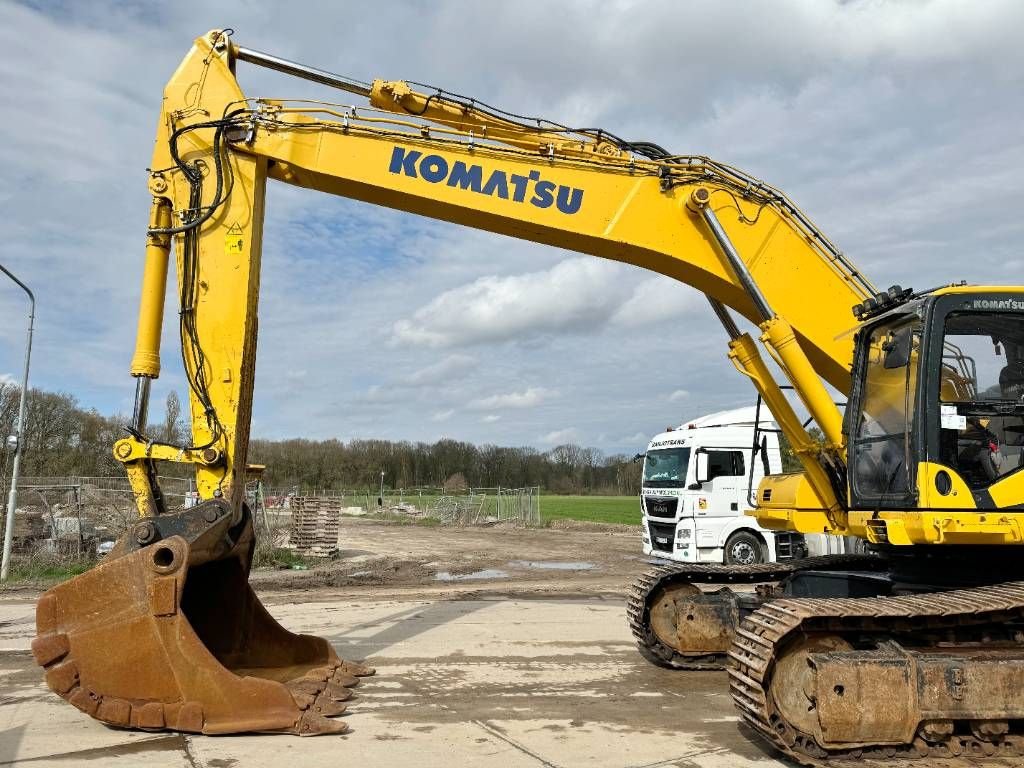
point(316, 522)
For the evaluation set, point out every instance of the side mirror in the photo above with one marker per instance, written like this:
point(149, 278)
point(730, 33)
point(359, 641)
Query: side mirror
point(897, 349)
point(693, 487)
point(764, 456)
point(702, 471)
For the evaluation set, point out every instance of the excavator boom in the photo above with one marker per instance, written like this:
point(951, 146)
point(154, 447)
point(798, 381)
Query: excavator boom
point(204, 653)
point(208, 657)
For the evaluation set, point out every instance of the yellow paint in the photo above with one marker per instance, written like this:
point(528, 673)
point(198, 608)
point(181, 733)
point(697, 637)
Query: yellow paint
point(814, 487)
point(146, 361)
point(1008, 491)
point(790, 502)
point(234, 245)
point(959, 497)
point(779, 336)
point(942, 527)
point(631, 210)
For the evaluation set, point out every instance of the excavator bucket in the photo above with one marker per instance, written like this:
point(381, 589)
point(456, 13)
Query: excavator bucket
point(167, 634)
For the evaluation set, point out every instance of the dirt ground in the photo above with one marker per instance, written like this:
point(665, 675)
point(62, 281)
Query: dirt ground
point(493, 647)
point(446, 563)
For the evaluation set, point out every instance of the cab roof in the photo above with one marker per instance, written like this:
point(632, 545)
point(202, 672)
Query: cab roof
point(737, 417)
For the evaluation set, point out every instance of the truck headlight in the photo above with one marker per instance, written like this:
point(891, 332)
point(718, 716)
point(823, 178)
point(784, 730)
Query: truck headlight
point(683, 533)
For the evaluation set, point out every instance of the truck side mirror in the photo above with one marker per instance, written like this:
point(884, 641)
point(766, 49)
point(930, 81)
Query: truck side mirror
point(764, 455)
point(702, 471)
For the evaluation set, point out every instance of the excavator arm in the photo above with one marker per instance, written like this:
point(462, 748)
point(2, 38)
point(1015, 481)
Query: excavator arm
point(205, 655)
point(452, 159)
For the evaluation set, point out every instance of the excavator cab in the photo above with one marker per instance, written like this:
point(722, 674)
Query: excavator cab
point(936, 416)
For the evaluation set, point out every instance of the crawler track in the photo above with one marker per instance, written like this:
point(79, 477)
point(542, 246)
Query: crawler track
point(642, 591)
point(762, 636)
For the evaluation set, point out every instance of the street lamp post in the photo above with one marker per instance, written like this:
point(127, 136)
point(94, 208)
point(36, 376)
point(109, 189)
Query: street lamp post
point(14, 440)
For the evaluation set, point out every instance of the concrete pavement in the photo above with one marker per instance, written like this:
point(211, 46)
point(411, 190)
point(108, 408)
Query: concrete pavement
point(485, 682)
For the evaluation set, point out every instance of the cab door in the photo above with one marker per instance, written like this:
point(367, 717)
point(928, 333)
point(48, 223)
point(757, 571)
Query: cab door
point(721, 494)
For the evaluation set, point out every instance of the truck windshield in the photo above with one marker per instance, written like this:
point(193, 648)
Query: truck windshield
point(666, 468)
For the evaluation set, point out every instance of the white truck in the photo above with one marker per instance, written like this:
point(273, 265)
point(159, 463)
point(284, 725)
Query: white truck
point(696, 487)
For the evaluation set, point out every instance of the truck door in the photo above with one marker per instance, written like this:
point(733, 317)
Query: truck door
point(721, 497)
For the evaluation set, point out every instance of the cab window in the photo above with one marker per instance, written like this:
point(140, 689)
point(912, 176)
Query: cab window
point(882, 455)
point(981, 408)
point(725, 464)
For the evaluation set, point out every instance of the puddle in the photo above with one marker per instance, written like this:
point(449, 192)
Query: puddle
point(551, 565)
point(487, 573)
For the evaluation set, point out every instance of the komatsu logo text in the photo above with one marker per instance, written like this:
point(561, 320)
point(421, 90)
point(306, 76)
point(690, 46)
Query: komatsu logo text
point(1008, 304)
point(530, 189)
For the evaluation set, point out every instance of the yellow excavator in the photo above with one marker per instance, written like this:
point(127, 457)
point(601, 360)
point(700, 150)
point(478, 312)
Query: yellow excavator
point(913, 651)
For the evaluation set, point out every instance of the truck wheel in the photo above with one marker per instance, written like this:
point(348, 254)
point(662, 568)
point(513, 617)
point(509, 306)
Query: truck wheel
point(744, 548)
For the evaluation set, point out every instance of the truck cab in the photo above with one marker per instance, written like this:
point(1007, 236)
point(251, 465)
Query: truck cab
point(697, 484)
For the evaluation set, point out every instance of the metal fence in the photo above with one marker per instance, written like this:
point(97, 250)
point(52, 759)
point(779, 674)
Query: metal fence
point(104, 507)
point(469, 506)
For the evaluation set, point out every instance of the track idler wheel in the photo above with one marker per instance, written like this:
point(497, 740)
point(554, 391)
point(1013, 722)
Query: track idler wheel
point(692, 622)
point(167, 634)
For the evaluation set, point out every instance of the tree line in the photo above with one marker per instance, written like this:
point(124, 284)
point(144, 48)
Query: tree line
point(63, 438)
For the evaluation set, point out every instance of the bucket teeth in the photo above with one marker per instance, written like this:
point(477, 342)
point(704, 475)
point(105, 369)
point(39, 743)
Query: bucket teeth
point(337, 692)
point(354, 668)
point(306, 686)
point(114, 711)
point(49, 648)
point(164, 637)
point(345, 680)
point(87, 701)
point(334, 674)
point(313, 724)
point(328, 707)
point(325, 702)
point(62, 677)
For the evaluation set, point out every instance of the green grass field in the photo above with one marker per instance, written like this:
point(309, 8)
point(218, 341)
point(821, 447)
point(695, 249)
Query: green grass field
point(620, 510)
point(624, 510)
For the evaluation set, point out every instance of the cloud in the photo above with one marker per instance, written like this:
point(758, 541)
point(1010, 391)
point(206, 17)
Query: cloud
point(679, 394)
point(656, 300)
point(528, 398)
point(862, 109)
point(560, 436)
point(442, 415)
point(572, 296)
point(491, 418)
point(580, 295)
point(441, 371)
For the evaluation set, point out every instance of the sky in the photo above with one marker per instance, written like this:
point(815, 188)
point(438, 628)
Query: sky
point(894, 125)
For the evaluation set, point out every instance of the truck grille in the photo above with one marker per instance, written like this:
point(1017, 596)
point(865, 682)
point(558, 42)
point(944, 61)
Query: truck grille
point(661, 506)
point(663, 535)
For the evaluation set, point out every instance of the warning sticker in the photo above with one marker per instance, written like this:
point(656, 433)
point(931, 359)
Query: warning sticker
point(234, 240)
point(953, 422)
point(950, 419)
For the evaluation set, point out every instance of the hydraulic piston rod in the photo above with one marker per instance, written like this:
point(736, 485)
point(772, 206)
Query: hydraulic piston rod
point(301, 70)
point(776, 332)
